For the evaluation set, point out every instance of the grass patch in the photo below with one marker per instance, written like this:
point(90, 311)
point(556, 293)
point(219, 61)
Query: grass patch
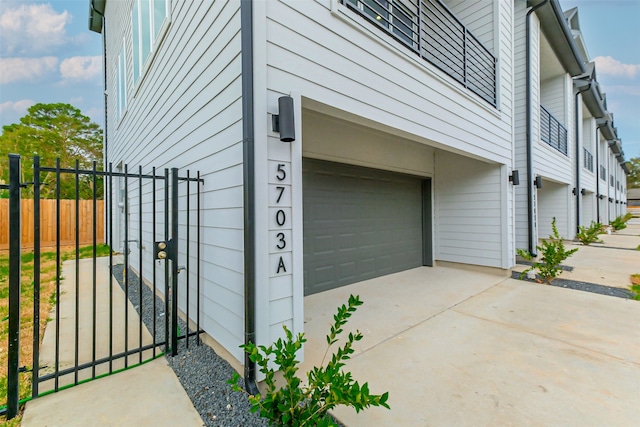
point(47, 300)
point(635, 286)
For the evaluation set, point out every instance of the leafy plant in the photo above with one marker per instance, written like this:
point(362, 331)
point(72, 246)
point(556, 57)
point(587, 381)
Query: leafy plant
point(553, 254)
point(620, 223)
point(635, 286)
point(296, 404)
point(588, 235)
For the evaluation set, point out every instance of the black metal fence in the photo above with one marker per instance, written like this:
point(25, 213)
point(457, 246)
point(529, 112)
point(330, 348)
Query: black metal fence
point(552, 132)
point(95, 326)
point(433, 32)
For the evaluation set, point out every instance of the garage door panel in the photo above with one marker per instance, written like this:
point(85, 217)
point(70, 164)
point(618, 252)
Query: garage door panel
point(359, 223)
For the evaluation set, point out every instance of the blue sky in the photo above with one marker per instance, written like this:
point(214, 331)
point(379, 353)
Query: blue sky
point(47, 54)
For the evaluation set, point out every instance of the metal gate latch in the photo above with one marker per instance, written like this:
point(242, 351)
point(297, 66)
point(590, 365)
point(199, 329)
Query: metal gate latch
point(160, 250)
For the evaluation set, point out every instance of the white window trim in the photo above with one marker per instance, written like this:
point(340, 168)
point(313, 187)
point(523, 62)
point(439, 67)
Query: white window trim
point(154, 44)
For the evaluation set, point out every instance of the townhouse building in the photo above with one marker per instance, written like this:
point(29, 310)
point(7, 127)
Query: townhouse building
point(342, 140)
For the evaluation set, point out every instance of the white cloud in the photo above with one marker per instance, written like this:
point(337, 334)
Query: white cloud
point(611, 66)
point(32, 29)
point(26, 69)
point(81, 68)
point(19, 107)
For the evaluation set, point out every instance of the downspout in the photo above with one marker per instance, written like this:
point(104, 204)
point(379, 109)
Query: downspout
point(577, 128)
point(104, 63)
point(530, 212)
point(597, 175)
point(248, 178)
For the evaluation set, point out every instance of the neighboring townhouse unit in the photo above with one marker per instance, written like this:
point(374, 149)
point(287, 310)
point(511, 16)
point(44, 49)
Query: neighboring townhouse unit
point(342, 140)
point(562, 128)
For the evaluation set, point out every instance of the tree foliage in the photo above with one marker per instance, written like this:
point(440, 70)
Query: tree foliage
point(633, 179)
point(54, 131)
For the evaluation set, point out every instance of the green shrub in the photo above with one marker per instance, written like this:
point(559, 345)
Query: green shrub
point(553, 254)
point(295, 404)
point(620, 223)
point(588, 235)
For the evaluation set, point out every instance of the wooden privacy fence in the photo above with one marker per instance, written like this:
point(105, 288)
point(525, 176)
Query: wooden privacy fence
point(48, 222)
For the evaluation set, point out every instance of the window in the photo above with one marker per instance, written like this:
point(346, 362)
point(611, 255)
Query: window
point(400, 18)
point(121, 83)
point(149, 19)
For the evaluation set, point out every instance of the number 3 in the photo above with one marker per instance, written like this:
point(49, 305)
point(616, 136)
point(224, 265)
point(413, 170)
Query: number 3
point(283, 243)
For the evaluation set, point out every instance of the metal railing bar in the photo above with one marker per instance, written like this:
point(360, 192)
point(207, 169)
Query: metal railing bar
point(110, 195)
point(153, 233)
point(166, 264)
point(94, 271)
point(77, 270)
point(126, 262)
point(140, 281)
point(58, 314)
point(98, 362)
point(36, 276)
point(188, 243)
point(198, 258)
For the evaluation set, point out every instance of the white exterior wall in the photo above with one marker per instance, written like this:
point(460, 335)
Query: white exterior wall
point(468, 210)
point(556, 98)
point(185, 112)
point(334, 62)
point(553, 201)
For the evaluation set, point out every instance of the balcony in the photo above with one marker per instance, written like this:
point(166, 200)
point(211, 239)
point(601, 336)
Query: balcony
point(587, 159)
point(552, 132)
point(431, 31)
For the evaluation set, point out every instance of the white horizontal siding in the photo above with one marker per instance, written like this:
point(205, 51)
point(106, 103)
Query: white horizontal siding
point(553, 201)
point(327, 57)
point(477, 16)
point(466, 229)
point(186, 112)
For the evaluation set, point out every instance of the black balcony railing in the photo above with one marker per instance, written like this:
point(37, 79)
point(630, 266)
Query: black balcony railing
point(587, 159)
point(552, 132)
point(433, 32)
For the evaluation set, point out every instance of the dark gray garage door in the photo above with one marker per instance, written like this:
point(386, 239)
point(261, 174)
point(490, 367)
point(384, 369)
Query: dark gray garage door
point(359, 223)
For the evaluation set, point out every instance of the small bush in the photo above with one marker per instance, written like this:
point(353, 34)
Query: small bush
point(553, 253)
point(588, 235)
point(635, 286)
point(620, 223)
point(296, 404)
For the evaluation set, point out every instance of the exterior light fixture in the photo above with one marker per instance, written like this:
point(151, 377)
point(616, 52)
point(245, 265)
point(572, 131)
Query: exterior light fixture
point(583, 191)
point(538, 181)
point(514, 178)
point(284, 122)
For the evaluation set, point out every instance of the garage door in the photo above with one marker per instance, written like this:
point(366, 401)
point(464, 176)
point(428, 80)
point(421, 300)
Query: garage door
point(359, 223)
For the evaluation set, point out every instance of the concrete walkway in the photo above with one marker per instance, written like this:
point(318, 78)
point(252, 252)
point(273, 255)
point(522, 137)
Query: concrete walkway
point(454, 345)
point(458, 347)
point(146, 395)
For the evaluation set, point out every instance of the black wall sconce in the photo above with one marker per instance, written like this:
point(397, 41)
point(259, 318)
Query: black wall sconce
point(538, 181)
point(573, 191)
point(284, 122)
point(514, 178)
point(583, 191)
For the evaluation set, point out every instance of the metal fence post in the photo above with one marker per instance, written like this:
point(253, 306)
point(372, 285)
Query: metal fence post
point(174, 262)
point(15, 231)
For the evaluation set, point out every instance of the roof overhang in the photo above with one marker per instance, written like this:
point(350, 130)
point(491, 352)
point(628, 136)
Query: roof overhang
point(605, 124)
point(616, 147)
point(555, 27)
point(96, 11)
point(589, 87)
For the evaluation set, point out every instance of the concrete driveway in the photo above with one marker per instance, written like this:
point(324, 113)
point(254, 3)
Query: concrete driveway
point(468, 347)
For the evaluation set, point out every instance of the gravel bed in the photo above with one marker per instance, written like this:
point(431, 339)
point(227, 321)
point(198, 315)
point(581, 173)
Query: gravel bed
point(584, 286)
point(202, 373)
point(530, 264)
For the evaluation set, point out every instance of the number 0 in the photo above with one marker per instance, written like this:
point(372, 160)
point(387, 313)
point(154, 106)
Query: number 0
point(280, 217)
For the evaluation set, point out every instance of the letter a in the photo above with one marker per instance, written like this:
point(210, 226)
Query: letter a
point(281, 266)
